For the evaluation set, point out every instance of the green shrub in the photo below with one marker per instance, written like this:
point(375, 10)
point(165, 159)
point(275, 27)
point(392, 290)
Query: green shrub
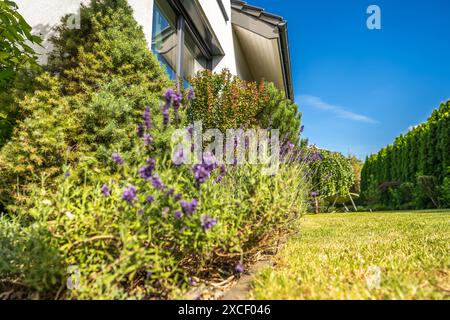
point(280, 113)
point(27, 256)
point(224, 101)
point(402, 197)
point(21, 85)
point(109, 44)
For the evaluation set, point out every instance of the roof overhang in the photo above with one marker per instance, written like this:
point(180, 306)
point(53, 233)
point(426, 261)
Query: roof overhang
point(199, 24)
point(265, 43)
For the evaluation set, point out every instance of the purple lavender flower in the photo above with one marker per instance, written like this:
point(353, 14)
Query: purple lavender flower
point(239, 268)
point(151, 162)
point(165, 112)
point(170, 192)
point(219, 179)
point(146, 118)
point(290, 146)
point(200, 173)
point(149, 274)
point(177, 97)
point(67, 174)
point(302, 128)
point(189, 207)
point(190, 129)
point(178, 197)
point(314, 194)
point(117, 159)
point(208, 223)
point(157, 182)
point(141, 211)
point(105, 190)
point(177, 215)
point(140, 131)
point(149, 199)
point(223, 169)
point(168, 95)
point(190, 95)
point(148, 140)
point(147, 170)
point(129, 194)
point(316, 156)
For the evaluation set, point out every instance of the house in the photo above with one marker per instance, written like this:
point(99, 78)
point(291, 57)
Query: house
point(190, 35)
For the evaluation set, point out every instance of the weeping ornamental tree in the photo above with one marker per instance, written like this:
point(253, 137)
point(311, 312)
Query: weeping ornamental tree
point(419, 159)
point(87, 104)
point(333, 176)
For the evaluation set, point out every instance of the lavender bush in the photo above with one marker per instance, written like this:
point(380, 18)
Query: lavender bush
point(144, 227)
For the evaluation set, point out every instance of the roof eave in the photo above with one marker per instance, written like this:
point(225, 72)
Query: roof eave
point(279, 23)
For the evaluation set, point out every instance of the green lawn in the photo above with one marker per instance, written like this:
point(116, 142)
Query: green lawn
point(341, 256)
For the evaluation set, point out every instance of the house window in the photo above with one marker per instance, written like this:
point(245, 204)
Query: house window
point(174, 45)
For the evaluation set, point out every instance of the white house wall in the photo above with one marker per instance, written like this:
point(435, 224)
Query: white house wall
point(224, 32)
point(44, 15)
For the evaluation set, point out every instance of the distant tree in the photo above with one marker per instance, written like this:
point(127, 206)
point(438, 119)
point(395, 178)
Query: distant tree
point(357, 166)
point(417, 160)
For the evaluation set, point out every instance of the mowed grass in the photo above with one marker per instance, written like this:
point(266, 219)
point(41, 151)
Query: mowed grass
point(341, 256)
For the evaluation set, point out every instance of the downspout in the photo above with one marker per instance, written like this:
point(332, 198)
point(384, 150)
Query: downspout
point(285, 53)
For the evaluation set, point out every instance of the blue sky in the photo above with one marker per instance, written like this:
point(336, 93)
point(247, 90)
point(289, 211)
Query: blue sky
point(358, 88)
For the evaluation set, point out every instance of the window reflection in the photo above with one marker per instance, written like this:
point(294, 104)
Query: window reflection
point(164, 39)
point(194, 60)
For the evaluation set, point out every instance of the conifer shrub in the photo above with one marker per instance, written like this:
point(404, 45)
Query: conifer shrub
point(99, 78)
point(280, 113)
